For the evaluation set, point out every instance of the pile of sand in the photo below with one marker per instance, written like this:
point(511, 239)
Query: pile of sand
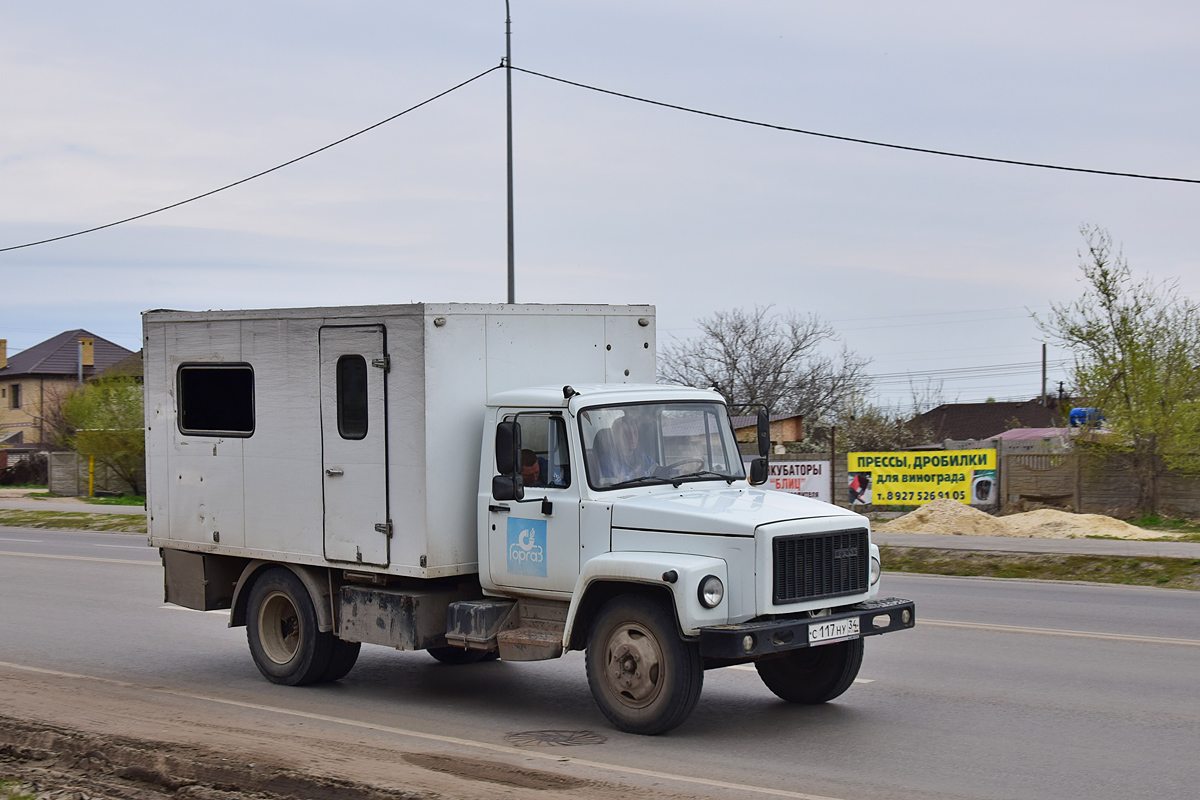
point(947, 516)
point(1047, 523)
point(955, 518)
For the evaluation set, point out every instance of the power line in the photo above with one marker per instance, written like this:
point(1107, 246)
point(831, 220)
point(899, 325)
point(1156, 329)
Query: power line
point(857, 140)
point(614, 94)
point(955, 370)
point(251, 177)
point(965, 373)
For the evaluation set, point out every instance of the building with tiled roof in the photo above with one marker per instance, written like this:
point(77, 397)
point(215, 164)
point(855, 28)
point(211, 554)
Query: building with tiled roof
point(34, 382)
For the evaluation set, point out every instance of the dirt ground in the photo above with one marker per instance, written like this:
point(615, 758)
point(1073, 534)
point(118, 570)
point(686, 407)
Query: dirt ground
point(75, 738)
point(958, 519)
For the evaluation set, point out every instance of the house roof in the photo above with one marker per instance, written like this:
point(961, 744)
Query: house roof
point(60, 356)
point(1034, 433)
point(986, 420)
point(129, 366)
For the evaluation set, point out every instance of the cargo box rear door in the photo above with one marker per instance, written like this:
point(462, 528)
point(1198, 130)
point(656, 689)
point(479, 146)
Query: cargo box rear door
point(354, 443)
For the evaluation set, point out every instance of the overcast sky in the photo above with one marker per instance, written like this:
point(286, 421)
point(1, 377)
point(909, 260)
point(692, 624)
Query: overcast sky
point(925, 264)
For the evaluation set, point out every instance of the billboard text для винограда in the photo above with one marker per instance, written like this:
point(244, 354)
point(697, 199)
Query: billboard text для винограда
point(913, 479)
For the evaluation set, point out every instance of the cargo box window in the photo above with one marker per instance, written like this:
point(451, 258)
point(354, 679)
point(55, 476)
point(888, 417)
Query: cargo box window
point(352, 397)
point(216, 400)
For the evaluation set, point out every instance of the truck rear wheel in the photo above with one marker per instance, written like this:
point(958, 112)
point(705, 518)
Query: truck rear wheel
point(644, 677)
point(341, 660)
point(813, 675)
point(282, 632)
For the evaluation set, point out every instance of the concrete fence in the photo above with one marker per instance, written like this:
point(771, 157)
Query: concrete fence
point(68, 476)
point(1090, 484)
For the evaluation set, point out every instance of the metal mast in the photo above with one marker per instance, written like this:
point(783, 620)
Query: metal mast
point(512, 273)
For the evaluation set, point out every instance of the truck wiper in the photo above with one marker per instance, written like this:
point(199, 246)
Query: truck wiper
point(678, 479)
point(635, 481)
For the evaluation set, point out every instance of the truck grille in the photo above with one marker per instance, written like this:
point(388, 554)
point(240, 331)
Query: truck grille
point(812, 566)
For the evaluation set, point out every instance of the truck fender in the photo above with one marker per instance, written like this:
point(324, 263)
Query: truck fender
point(314, 579)
point(606, 575)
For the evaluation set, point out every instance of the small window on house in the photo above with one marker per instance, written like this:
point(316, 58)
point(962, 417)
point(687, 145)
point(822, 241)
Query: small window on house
point(216, 399)
point(352, 397)
point(15, 396)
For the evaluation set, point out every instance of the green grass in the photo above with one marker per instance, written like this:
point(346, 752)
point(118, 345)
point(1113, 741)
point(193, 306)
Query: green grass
point(1182, 528)
point(1170, 573)
point(118, 500)
point(123, 500)
point(11, 790)
point(73, 520)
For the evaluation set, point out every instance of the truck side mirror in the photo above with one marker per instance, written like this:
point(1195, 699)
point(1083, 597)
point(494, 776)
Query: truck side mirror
point(508, 448)
point(505, 487)
point(508, 484)
point(758, 472)
point(764, 434)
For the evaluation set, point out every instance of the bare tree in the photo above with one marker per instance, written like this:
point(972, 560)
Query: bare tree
point(776, 360)
point(927, 396)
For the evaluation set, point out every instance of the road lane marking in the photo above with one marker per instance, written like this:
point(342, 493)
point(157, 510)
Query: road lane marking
point(433, 737)
point(6, 539)
point(125, 546)
point(1112, 637)
point(155, 563)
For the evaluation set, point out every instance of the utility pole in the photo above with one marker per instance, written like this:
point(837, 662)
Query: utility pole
point(512, 271)
point(1045, 402)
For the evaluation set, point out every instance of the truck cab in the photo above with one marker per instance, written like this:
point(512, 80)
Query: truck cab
point(634, 501)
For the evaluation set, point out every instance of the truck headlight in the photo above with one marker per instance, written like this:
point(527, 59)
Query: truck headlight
point(876, 570)
point(712, 592)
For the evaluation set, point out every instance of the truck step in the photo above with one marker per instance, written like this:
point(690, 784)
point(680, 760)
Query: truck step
point(528, 629)
point(530, 643)
point(475, 623)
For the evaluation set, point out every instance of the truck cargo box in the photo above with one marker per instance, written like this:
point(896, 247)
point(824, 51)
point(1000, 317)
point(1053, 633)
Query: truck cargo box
point(350, 437)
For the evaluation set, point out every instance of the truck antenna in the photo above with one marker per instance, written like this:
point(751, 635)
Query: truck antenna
point(512, 272)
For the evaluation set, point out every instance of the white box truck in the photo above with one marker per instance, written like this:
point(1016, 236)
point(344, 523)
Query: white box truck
point(489, 481)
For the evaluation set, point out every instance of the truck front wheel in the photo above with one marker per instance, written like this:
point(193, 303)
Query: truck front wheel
point(813, 675)
point(282, 632)
point(645, 678)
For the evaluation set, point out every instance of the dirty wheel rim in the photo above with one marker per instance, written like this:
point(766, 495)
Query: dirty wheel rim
point(634, 666)
point(279, 628)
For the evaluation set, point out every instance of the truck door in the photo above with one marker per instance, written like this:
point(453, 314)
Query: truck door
point(534, 543)
point(354, 443)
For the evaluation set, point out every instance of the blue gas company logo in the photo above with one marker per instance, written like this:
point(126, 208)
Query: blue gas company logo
point(527, 547)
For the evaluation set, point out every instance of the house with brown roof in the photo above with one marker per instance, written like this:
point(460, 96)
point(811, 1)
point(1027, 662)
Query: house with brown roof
point(984, 420)
point(34, 382)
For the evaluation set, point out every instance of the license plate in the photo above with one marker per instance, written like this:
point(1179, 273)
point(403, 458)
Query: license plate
point(833, 631)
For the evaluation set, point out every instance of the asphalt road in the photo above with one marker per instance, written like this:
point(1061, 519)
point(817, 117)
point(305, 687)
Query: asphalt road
point(1006, 689)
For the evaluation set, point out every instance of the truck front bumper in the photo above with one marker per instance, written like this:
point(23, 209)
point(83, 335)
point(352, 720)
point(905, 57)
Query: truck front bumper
point(749, 640)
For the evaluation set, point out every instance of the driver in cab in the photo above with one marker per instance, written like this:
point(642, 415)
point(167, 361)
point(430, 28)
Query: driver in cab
point(630, 462)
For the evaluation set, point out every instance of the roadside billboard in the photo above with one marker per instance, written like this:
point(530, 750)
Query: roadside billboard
point(913, 479)
point(805, 478)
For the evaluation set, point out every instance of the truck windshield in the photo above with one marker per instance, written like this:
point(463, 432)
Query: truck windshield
point(648, 443)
